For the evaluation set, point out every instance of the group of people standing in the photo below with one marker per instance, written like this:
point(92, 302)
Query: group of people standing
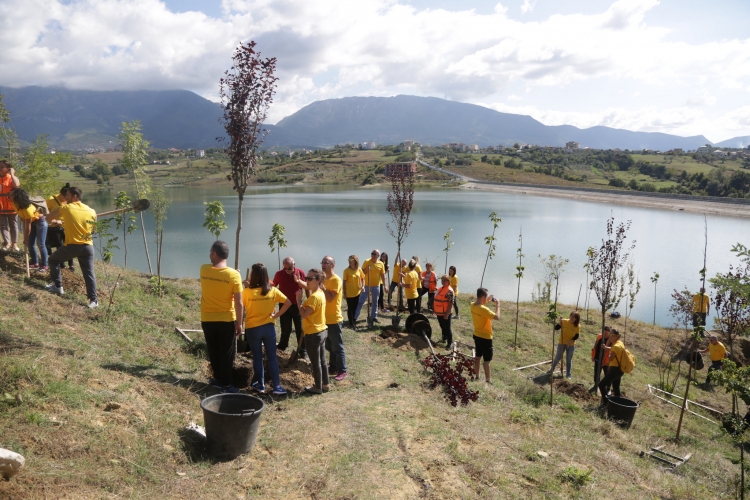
point(62, 222)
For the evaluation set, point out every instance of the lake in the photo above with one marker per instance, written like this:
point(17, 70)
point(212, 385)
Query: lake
point(341, 221)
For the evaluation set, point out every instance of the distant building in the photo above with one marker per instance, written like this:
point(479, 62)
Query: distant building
point(572, 145)
point(704, 149)
point(408, 144)
point(474, 147)
point(200, 153)
point(369, 145)
point(719, 152)
point(406, 167)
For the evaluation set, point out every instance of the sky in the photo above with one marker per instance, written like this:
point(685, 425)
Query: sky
point(674, 66)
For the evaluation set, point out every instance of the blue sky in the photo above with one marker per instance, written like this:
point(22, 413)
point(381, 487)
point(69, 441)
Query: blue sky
point(671, 66)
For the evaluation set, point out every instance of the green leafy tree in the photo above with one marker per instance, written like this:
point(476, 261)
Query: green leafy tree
point(105, 240)
point(38, 172)
point(448, 245)
point(125, 221)
point(134, 160)
point(490, 242)
point(7, 133)
point(215, 218)
point(159, 207)
point(276, 241)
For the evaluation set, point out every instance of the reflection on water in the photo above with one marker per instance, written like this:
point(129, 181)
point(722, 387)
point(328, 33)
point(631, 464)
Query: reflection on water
point(341, 221)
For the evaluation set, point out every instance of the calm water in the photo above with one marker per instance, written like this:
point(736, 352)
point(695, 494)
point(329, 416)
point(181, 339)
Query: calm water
point(340, 222)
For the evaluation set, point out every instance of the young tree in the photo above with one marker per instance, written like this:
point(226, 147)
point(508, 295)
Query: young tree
point(732, 298)
point(125, 221)
point(633, 287)
point(654, 280)
point(400, 203)
point(38, 172)
point(159, 206)
point(587, 267)
point(276, 241)
point(7, 133)
point(490, 241)
point(215, 218)
point(134, 160)
point(246, 93)
point(519, 274)
point(604, 266)
point(554, 267)
point(448, 245)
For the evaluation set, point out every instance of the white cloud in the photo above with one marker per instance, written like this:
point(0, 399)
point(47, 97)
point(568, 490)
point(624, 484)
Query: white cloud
point(528, 6)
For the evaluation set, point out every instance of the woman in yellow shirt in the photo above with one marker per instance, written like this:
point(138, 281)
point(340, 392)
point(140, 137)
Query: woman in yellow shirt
point(570, 329)
point(614, 372)
point(411, 286)
point(34, 228)
point(259, 300)
point(354, 281)
point(313, 312)
point(454, 285)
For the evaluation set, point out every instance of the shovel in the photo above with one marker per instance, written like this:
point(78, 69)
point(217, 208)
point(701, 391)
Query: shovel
point(137, 206)
point(296, 352)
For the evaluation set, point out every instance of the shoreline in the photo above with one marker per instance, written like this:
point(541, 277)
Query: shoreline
point(655, 202)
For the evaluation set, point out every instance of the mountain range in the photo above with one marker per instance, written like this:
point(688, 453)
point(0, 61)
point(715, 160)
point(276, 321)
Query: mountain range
point(78, 119)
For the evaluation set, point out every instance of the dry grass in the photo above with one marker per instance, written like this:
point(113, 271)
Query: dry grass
point(378, 434)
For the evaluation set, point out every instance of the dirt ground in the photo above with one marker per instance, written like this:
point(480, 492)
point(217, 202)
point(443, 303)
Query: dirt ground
point(14, 263)
point(576, 391)
point(401, 341)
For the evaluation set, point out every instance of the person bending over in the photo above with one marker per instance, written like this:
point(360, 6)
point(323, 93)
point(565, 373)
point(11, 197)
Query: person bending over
point(34, 228)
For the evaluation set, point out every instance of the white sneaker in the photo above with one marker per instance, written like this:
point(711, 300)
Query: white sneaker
point(55, 289)
point(93, 304)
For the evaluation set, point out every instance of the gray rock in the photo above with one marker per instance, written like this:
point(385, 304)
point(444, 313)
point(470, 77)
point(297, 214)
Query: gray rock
point(10, 463)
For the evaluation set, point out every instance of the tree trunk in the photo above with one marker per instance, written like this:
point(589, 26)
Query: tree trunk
point(518, 297)
point(687, 390)
point(125, 242)
point(551, 376)
point(145, 245)
point(278, 253)
point(241, 197)
point(600, 357)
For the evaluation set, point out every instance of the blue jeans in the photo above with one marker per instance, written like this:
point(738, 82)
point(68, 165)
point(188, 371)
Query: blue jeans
point(568, 358)
point(335, 345)
point(257, 338)
point(374, 294)
point(38, 236)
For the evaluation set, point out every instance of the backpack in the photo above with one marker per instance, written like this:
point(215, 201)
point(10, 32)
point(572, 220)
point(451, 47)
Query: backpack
point(40, 203)
point(627, 363)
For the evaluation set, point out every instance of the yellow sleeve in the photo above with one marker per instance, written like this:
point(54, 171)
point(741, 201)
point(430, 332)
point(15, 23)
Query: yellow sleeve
point(280, 297)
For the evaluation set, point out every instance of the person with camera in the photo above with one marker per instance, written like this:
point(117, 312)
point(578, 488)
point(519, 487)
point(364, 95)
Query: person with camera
point(482, 317)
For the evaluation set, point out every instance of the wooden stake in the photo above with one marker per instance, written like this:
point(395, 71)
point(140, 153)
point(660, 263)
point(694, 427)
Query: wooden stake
point(184, 335)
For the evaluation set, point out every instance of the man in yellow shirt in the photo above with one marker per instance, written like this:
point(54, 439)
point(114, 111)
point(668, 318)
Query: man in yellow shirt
point(482, 317)
point(332, 289)
point(79, 222)
point(701, 308)
point(716, 352)
point(374, 271)
point(221, 314)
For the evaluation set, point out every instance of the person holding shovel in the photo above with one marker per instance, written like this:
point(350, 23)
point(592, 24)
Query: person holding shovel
point(398, 268)
point(34, 228)
point(601, 360)
point(410, 285)
point(614, 372)
point(443, 307)
point(570, 329)
point(313, 313)
point(353, 284)
point(482, 317)
point(8, 221)
point(374, 271)
point(335, 341)
point(259, 299)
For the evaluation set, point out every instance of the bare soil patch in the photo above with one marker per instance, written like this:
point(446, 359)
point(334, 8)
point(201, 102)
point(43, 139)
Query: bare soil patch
point(401, 341)
point(575, 391)
point(294, 377)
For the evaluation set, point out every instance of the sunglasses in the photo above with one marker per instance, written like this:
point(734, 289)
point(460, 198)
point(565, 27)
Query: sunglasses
point(289, 269)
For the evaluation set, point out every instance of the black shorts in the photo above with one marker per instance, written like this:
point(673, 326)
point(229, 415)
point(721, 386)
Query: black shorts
point(483, 348)
point(699, 319)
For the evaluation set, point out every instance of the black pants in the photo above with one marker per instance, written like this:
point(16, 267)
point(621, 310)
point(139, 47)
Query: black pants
point(413, 305)
point(598, 369)
point(445, 328)
point(455, 305)
point(221, 349)
point(291, 316)
point(351, 308)
point(85, 255)
point(380, 297)
point(56, 239)
point(611, 379)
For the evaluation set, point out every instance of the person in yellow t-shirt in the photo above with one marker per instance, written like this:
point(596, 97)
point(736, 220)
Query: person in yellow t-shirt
point(221, 314)
point(701, 308)
point(410, 285)
point(716, 352)
point(55, 231)
point(332, 288)
point(353, 284)
point(79, 222)
point(614, 373)
point(313, 312)
point(570, 329)
point(482, 317)
point(374, 271)
point(259, 300)
point(398, 268)
point(454, 286)
point(34, 228)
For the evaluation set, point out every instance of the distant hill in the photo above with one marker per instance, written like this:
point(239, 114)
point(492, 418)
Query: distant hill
point(735, 142)
point(76, 119)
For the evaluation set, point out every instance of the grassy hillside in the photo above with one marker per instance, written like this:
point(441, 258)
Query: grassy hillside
point(105, 401)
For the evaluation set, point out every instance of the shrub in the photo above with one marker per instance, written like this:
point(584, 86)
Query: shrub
point(575, 476)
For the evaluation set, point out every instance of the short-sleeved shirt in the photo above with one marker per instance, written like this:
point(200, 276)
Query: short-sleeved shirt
point(567, 331)
point(454, 283)
point(615, 355)
point(285, 282)
point(78, 220)
point(218, 286)
point(418, 269)
point(482, 317)
point(353, 280)
point(396, 273)
point(716, 352)
point(28, 213)
point(315, 322)
point(411, 284)
point(333, 307)
point(373, 271)
point(53, 203)
point(697, 306)
point(258, 307)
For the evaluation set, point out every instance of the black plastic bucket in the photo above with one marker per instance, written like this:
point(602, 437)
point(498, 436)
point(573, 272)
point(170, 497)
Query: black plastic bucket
point(621, 410)
point(231, 423)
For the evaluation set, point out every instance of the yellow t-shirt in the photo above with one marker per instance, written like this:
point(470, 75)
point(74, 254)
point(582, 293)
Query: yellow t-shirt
point(28, 213)
point(316, 322)
point(482, 317)
point(568, 331)
point(396, 272)
point(615, 355)
point(454, 283)
point(411, 284)
point(716, 352)
point(258, 308)
point(697, 303)
point(418, 269)
point(53, 203)
point(218, 286)
point(77, 219)
point(372, 271)
point(333, 307)
point(353, 282)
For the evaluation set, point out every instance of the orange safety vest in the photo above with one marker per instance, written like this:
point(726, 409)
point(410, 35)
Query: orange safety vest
point(6, 186)
point(443, 301)
point(431, 281)
point(605, 358)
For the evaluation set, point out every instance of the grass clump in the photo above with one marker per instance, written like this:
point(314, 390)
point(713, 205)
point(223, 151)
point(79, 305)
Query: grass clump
point(576, 477)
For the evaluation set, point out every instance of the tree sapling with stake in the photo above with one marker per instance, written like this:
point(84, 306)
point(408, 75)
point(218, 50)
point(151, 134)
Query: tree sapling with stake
point(448, 245)
point(519, 274)
point(655, 280)
point(633, 287)
point(490, 241)
point(125, 221)
point(554, 267)
point(400, 203)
